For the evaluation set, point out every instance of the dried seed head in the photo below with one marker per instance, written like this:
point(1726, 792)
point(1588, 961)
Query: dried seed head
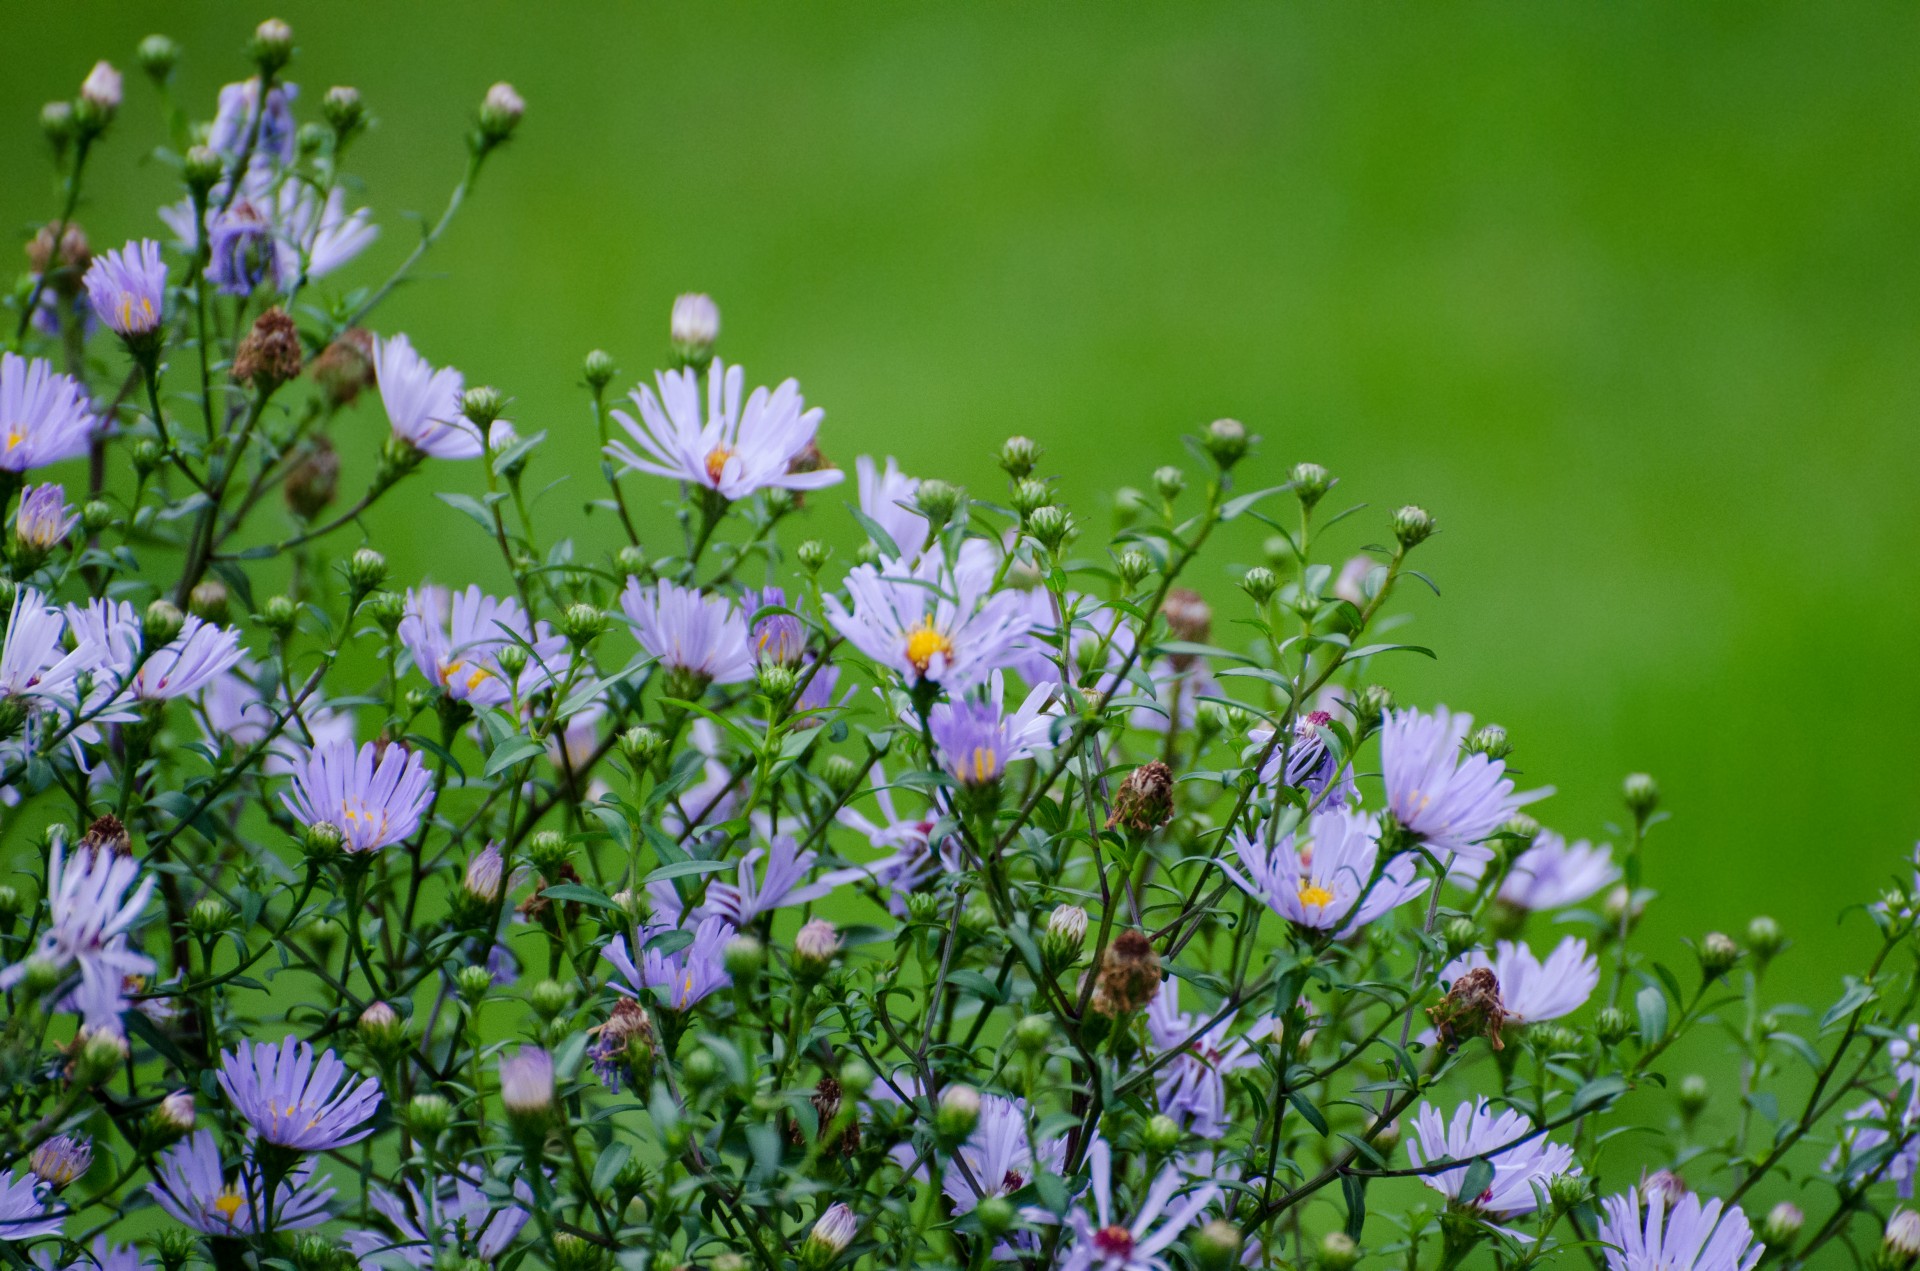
point(1471, 1008)
point(1129, 975)
point(1144, 801)
point(270, 355)
point(345, 367)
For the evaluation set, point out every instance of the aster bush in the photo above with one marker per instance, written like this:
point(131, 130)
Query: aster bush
point(979, 894)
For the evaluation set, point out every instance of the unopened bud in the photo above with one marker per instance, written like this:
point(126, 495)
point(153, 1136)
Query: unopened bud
point(366, 570)
point(157, 56)
point(745, 958)
point(1611, 1026)
point(582, 624)
point(207, 919)
point(173, 1116)
point(937, 500)
point(101, 1055)
point(1018, 455)
point(383, 1029)
point(1691, 1097)
point(208, 601)
point(1412, 526)
point(814, 948)
point(272, 45)
point(694, 328)
point(1902, 1238)
point(1133, 565)
point(343, 110)
point(202, 169)
point(1718, 953)
point(1490, 741)
point(526, 1088)
point(829, 1238)
point(500, 114)
point(472, 983)
point(813, 555)
point(1566, 1190)
point(1260, 583)
point(1461, 934)
point(1170, 482)
point(1310, 483)
point(599, 369)
point(429, 1115)
point(161, 624)
point(1162, 1133)
point(1642, 794)
point(551, 997)
point(99, 98)
point(1051, 525)
point(1782, 1225)
point(641, 745)
point(958, 1113)
point(1226, 442)
point(56, 121)
point(1764, 938)
point(1033, 1034)
point(1338, 1252)
point(548, 850)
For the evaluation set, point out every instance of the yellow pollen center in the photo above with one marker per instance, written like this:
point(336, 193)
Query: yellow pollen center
point(1317, 897)
point(717, 462)
point(15, 437)
point(923, 642)
point(127, 299)
point(228, 1203)
point(985, 762)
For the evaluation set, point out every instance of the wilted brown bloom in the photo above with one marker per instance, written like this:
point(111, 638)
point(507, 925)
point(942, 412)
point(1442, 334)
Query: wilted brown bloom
point(68, 265)
point(345, 367)
point(107, 834)
point(1188, 618)
point(1144, 801)
point(1129, 975)
point(1471, 1008)
point(312, 482)
point(270, 355)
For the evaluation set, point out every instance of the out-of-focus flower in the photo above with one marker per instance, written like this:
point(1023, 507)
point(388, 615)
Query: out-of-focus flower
point(1451, 803)
point(293, 1099)
point(28, 1210)
point(240, 248)
point(462, 1219)
point(694, 325)
point(1554, 873)
point(1193, 1088)
point(1103, 1241)
point(372, 805)
point(234, 121)
point(90, 916)
point(681, 978)
point(1308, 763)
point(910, 863)
point(36, 669)
point(700, 635)
point(423, 404)
point(1530, 989)
point(1684, 1235)
point(44, 416)
point(777, 637)
point(61, 1160)
point(44, 517)
point(456, 641)
point(526, 1083)
point(1519, 1162)
point(127, 288)
point(1323, 884)
point(886, 499)
point(933, 622)
point(192, 1184)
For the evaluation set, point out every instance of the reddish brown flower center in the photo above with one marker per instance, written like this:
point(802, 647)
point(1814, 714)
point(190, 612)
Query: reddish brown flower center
point(1114, 1242)
point(1013, 1182)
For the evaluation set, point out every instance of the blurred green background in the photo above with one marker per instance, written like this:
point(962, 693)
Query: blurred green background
point(1623, 293)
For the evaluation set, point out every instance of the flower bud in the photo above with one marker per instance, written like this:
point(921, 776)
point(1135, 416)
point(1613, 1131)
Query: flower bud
point(814, 948)
point(322, 840)
point(366, 570)
point(1260, 583)
point(1338, 1252)
point(202, 169)
point(700, 1069)
point(1310, 483)
point(1033, 1034)
point(598, 369)
point(995, 1214)
point(61, 1160)
point(383, 1030)
point(694, 328)
point(483, 404)
point(551, 997)
point(1490, 741)
point(56, 121)
point(829, 1238)
point(173, 1116)
point(1226, 441)
point(472, 983)
point(775, 680)
point(1566, 1190)
point(207, 919)
point(745, 958)
point(1611, 1026)
point(1412, 526)
point(1051, 525)
point(1144, 801)
point(343, 110)
point(938, 500)
point(96, 516)
point(526, 1088)
point(855, 1077)
point(99, 98)
point(269, 356)
point(101, 1054)
point(1764, 938)
point(1169, 481)
point(1065, 937)
point(729, 1262)
point(157, 55)
point(511, 660)
point(1623, 906)
point(429, 1115)
point(1018, 455)
point(484, 875)
point(582, 625)
point(500, 114)
point(577, 1253)
point(923, 907)
point(1162, 1134)
point(1782, 1225)
point(1691, 1096)
point(208, 601)
point(1718, 953)
point(1642, 794)
point(1902, 1239)
point(813, 555)
point(1133, 565)
point(958, 1113)
point(161, 624)
point(549, 850)
point(841, 773)
point(272, 45)
point(1461, 934)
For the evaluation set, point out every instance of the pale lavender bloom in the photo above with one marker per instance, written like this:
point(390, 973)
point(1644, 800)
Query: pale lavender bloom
point(776, 637)
point(28, 1209)
point(90, 917)
point(1553, 873)
point(690, 631)
point(930, 621)
point(818, 693)
point(1351, 583)
point(834, 1231)
point(62, 1159)
point(463, 1219)
point(998, 1155)
point(1103, 1242)
point(186, 664)
point(101, 87)
point(456, 641)
point(315, 236)
point(1324, 884)
point(781, 886)
point(695, 323)
point(1193, 1088)
point(44, 516)
point(732, 451)
point(1868, 1129)
point(239, 715)
point(372, 806)
point(240, 248)
point(35, 666)
point(424, 404)
point(193, 1185)
point(1688, 1236)
point(1520, 1172)
point(128, 288)
point(681, 978)
point(291, 1099)
point(910, 863)
point(1531, 990)
point(44, 416)
point(886, 499)
point(1308, 763)
point(976, 741)
point(1451, 803)
point(233, 123)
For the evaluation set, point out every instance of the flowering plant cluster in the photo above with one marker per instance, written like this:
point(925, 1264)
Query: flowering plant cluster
point(981, 896)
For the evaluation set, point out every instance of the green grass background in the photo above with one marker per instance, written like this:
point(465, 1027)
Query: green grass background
point(1625, 294)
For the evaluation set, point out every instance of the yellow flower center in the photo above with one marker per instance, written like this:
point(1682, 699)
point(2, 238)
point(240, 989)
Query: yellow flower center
point(1315, 896)
point(127, 299)
point(228, 1203)
point(986, 761)
point(923, 642)
point(717, 462)
point(15, 436)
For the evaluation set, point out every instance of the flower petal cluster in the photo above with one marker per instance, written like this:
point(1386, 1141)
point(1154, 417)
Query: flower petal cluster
point(194, 1185)
point(1554, 873)
point(292, 1099)
point(1523, 1161)
point(373, 803)
point(91, 918)
point(1687, 1235)
point(424, 404)
point(1450, 802)
point(1327, 883)
point(690, 631)
point(1104, 1239)
point(45, 416)
point(732, 450)
point(932, 621)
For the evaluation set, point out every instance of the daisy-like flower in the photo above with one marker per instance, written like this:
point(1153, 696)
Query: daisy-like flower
point(934, 622)
point(128, 289)
point(976, 741)
point(456, 641)
point(1193, 1088)
point(678, 979)
point(184, 665)
point(1449, 802)
point(777, 637)
point(1327, 883)
point(193, 1184)
point(314, 235)
point(462, 1219)
point(28, 1209)
point(44, 517)
point(700, 636)
point(1308, 763)
point(910, 863)
point(36, 668)
point(1522, 1166)
point(1554, 873)
point(731, 451)
point(780, 886)
point(1532, 990)
point(886, 499)
point(44, 416)
point(291, 1099)
point(1687, 1235)
point(90, 916)
point(233, 121)
point(1103, 1242)
point(998, 1155)
point(423, 404)
point(371, 805)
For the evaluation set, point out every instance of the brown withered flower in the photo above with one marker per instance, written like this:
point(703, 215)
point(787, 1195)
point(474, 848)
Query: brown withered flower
point(827, 1102)
point(345, 367)
point(313, 480)
point(1144, 801)
point(67, 265)
point(107, 834)
point(1129, 975)
point(1471, 1008)
point(270, 354)
point(1188, 618)
point(626, 1039)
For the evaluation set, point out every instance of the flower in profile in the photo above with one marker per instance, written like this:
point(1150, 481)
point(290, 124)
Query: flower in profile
point(372, 805)
point(1328, 883)
point(1554, 873)
point(36, 668)
point(45, 417)
point(699, 636)
point(777, 637)
point(526, 1084)
point(90, 917)
point(234, 121)
point(44, 517)
point(679, 978)
point(976, 742)
point(1866, 1132)
point(291, 1099)
point(240, 248)
point(932, 622)
point(314, 235)
point(28, 1209)
point(781, 885)
point(886, 499)
point(1449, 802)
point(1193, 1088)
point(1102, 1241)
point(695, 324)
point(1522, 1161)
point(193, 1184)
point(61, 1160)
point(127, 288)
point(462, 1219)
point(456, 641)
point(1682, 1235)
point(831, 1234)
point(1532, 990)
point(423, 404)
point(193, 659)
point(1308, 763)
point(732, 451)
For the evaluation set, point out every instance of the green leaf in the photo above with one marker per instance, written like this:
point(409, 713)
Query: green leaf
point(579, 892)
point(1600, 1092)
point(1479, 1178)
point(1234, 507)
point(680, 869)
point(1652, 1005)
point(1307, 1110)
point(1858, 994)
point(1356, 1193)
point(511, 753)
point(608, 1167)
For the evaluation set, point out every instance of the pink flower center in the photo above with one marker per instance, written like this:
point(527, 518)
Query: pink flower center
point(1114, 1242)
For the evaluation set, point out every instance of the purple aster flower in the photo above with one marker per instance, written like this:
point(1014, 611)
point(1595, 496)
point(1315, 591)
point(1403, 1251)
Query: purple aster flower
point(315, 236)
point(1451, 803)
point(1554, 873)
point(1308, 763)
point(44, 416)
point(233, 121)
point(1328, 883)
point(1102, 1241)
point(372, 806)
point(1868, 1128)
point(238, 712)
point(910, 863)
point(1684, 1236)
point(44, 517)
point(692, 633)
point(462, 1219)
point(456, 641)
point(886, 499)
point(780, 886)
point(1193, 1088)
point(89, 918)
point(526, 1084)
point(186, 664)
point(35, 666)
point(776, 637)
point(61, 1160)
point(193, 1185)
point(976, 742)
point(1520, 1171)
point(28, 1209)
point(999, 1156)
point(128, 289)
point(241, 248)
point(818, 694)
point(933, 622)
point(680, 978)
point(423, 404)
point(1531, 990)
point(732, 451)
point(293, 1100)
